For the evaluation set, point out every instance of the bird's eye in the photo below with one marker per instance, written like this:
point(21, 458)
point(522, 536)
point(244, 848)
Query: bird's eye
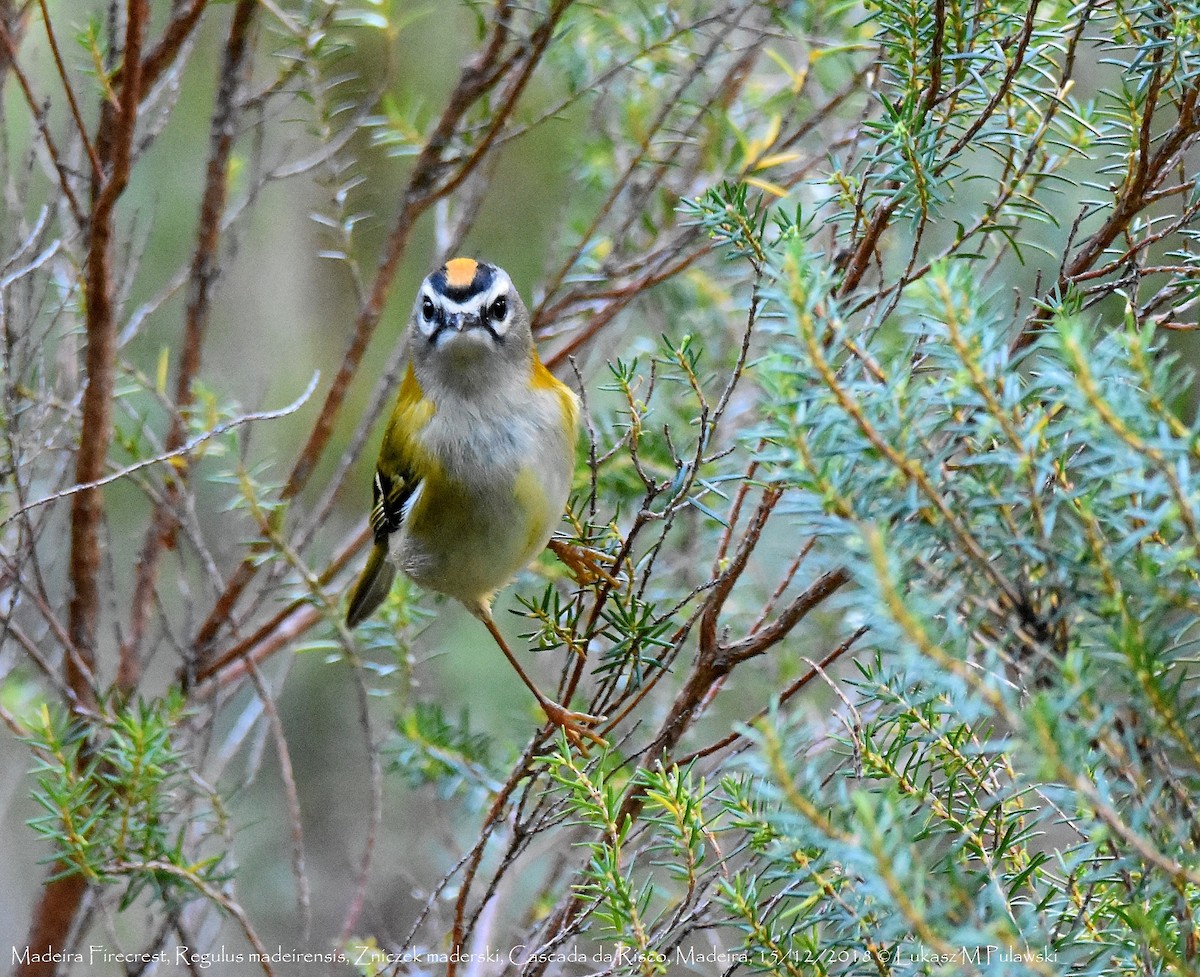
point(499, 308)
point(427, 309)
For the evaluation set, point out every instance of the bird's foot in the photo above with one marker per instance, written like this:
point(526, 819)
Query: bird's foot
point(584, 563)
point(577, 726)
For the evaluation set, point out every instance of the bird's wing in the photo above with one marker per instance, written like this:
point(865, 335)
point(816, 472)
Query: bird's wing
point(392, 490)
point(398, 473)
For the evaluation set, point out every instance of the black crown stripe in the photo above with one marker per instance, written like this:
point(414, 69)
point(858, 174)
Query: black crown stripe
point(485, 275)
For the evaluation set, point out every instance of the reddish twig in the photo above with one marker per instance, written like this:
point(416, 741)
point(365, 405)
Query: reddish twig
point(802, 682)
point(715, 602)
point(163, 521)
point(9, 46)
point(70, 92)
point(292, 620)
point(176, 32)
point(1136, 193)
point(765, 638)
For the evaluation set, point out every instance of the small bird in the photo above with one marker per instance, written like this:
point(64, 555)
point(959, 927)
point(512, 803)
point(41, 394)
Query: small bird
point(477, 459)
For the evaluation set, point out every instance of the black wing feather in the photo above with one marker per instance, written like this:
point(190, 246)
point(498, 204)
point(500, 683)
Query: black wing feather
point(391, 494)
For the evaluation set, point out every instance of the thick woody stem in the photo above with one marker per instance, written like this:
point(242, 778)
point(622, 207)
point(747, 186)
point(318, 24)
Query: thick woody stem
point(61, 899)
point(87, 509)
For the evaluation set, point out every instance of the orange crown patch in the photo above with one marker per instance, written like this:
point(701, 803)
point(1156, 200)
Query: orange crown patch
point(460, 272)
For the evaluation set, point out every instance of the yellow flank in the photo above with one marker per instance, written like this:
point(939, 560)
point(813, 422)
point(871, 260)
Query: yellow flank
point(401, 451)
point(531, 500)
point(410, 392)
point(543, 379)
point(460, 272)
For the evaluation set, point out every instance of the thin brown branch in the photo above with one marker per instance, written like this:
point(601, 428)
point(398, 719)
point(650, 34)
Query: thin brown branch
point(787, 694)
point(1015, 63)
point(222, 133)
point(864, 250)
point(288, 623)
point(87, 511)
point(8, 46)
point(181, 26)
point(715, 601)
point(1135, 194)
point(528, 57)
point(766, 637)
point(70, 92)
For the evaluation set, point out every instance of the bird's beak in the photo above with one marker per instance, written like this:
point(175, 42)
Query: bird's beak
point(459, 321)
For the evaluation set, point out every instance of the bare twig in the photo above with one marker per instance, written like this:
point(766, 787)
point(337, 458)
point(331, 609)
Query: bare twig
point(187, 448)
point(161, 532)
point(8, 46)
point(69, 89)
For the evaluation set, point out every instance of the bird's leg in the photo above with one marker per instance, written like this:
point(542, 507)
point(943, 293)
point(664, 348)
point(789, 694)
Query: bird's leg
point(576, 725)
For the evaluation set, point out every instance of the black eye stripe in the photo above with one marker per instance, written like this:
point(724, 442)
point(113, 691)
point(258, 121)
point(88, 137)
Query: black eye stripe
point(498, 308)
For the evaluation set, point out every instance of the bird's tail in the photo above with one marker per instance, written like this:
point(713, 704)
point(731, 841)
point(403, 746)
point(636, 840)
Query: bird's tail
point(372, 586)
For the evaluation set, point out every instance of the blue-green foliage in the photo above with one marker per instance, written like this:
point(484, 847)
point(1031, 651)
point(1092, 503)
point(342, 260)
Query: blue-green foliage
point(1019, 760)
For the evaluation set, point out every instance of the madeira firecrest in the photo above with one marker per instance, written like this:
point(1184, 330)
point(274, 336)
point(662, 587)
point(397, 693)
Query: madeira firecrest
point(477, 458)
